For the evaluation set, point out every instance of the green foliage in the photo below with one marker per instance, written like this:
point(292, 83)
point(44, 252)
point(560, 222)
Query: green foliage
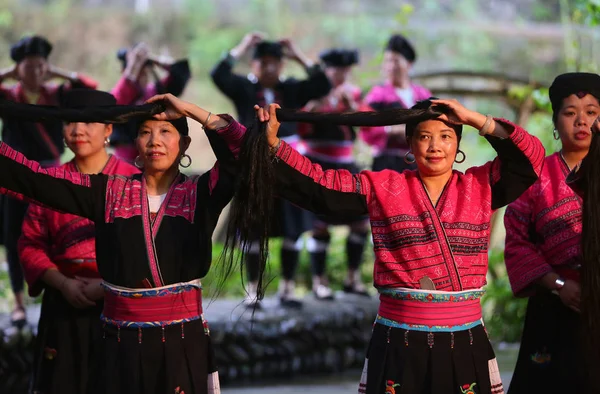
point(503, 314)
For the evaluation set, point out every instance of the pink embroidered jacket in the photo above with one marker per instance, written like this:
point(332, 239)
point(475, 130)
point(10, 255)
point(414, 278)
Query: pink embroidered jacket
point(412, 238)
point(385, 97)
point(54, 240)
point(543, 229)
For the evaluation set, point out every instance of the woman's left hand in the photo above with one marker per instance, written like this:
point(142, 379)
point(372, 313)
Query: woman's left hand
point(457, 114)
point(176, 107)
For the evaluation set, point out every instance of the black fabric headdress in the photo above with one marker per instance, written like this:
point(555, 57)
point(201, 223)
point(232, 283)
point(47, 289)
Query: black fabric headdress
point(268, 48)
point(426, 104)
point(567, 84)
point(30, 46)
point(339, 57)
point(399, 44)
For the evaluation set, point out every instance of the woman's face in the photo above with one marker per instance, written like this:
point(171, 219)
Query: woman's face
point(86, 139)
point(32, 71)
point(434, 145)
point(574, 120)
point(160, 145)
point(337, 75)
point(395, 67)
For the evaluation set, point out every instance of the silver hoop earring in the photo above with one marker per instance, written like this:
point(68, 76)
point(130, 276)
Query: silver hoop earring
point(106, 141)
point(464, 157)
point(65, 143)
point(407, 161)
point(137, 163)
point(185, 156)
point(556, 135)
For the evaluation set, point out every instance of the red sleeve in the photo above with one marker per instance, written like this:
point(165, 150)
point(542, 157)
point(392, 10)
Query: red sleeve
point(34, 248)
point(125, 91)
point(336, 193)
point(86, 82)
point(518, 165)
point(337, 180)
point(524, 262)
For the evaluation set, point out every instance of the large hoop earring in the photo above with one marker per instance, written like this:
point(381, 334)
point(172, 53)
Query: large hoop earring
point(137, 163)
point(407, 161)
point(106, 141)
point(464, 157)
point(556, 135)
point(185, 156)
point(65, 143)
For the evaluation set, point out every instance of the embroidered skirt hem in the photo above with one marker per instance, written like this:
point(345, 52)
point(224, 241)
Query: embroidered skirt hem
point(401, 361)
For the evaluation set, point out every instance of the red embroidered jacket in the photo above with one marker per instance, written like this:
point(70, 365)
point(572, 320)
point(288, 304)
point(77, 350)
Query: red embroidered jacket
point(131, 250)
point(543, 228)
point(62, 241)
point(412, 238)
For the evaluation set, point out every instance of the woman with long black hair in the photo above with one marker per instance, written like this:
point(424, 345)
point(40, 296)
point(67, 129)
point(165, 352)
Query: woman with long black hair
point(430, 227)
point(153, 241)
point(584, 181)
point(543, 248)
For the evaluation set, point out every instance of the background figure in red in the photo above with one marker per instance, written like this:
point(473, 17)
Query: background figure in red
point(42, 142)
point(332, 146)
point(263, 86)
point(390, 149)
point(58, 255)
point(139, 81)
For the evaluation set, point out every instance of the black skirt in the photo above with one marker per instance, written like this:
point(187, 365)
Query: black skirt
point(418, 362)
point(391, 162)
point(550, 358)
point(178, 360)
point(334, 221)
point(68, 341)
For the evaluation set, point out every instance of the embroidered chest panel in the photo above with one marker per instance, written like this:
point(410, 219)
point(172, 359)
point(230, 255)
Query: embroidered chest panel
point(124, 198)
point(412, 238)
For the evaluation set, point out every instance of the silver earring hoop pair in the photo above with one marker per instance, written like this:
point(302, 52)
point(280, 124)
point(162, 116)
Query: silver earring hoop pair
point(555, 135)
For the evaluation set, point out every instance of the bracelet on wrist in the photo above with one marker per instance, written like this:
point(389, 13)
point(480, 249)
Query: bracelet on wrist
point(485, 130)
point(273, 149)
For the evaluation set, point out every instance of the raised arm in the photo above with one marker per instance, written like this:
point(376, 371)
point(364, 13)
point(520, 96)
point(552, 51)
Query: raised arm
point(518, 165)
point(178, 76)
point(332, 192)
point(70, 192)
point(520, 155)
point(525, 263)
point(232, 85)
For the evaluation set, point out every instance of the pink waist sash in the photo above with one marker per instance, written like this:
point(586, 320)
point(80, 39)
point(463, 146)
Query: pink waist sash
point(430, 310)
point(161, 306)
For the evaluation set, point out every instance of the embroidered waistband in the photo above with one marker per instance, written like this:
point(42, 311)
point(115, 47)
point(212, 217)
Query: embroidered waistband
point(161, 306)
point(429, 310)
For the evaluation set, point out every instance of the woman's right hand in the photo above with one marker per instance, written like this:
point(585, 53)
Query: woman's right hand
point(176, 107)
point(269, 115)
point(73, 291)
point(570, 295)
